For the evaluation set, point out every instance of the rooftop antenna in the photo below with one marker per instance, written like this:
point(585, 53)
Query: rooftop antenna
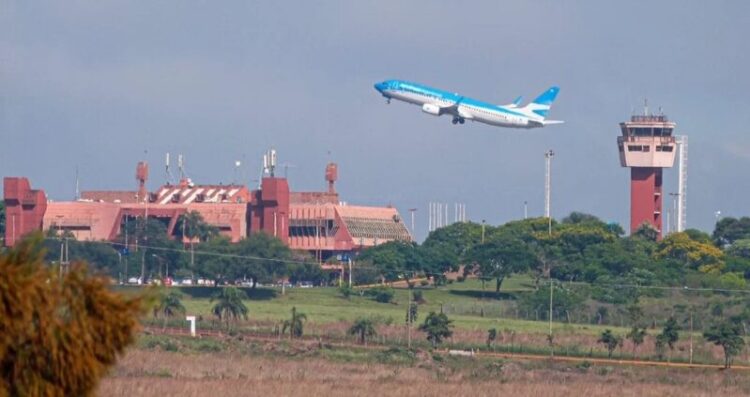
point(78, 189)
point(269, 162)
point(645, 106)
point(180, 166)
point(168, 173)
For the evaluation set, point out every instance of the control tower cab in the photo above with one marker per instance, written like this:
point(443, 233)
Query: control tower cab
point(647, 145)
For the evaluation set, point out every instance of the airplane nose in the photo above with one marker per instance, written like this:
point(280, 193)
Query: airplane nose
point(380, 87)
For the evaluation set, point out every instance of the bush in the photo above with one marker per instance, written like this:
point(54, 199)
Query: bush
point(417, 296)
point(424, 283)
point(381, 294)
point(346, 291)
point(460, 279)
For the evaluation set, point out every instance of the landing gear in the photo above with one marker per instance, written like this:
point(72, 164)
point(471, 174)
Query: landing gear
point(388, 101)
point(458, 120)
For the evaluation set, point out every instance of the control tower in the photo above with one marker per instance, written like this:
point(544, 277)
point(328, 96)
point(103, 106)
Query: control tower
point(647, 145)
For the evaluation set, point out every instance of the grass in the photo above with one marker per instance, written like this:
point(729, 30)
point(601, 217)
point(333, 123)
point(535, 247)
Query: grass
point(242, 368)
point(458, 300)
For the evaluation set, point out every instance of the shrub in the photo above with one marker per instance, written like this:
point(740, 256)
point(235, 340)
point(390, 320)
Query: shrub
point(346, 291)
point(418, 296)
point(59, 334)
point(424, 283)
point(460, 279)
point(380, 294)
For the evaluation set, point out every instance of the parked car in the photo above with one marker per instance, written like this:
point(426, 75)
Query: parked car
point(134, 280)
point(186, 281)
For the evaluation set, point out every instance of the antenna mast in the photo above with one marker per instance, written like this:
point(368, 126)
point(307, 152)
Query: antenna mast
point(682, 142)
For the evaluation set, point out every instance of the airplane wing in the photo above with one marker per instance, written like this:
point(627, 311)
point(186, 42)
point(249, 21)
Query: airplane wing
point(543, 123)
point(455, 110)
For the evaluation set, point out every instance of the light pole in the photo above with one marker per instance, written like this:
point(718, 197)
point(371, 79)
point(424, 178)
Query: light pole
point(525, 209)
point(548, 188)
point(483, 231)
point(413, 231)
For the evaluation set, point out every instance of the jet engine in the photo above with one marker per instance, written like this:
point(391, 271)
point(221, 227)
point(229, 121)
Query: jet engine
point(431, 109)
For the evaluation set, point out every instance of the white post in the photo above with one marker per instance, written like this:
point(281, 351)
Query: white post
point(191, 319)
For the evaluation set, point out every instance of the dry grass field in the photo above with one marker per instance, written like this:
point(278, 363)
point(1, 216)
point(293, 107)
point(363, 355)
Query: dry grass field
point(273, 370)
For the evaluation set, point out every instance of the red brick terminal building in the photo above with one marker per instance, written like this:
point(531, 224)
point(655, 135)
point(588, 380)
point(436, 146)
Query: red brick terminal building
point(312, 221)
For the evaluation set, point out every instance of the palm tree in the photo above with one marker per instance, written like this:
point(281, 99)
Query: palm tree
point(364, 327)
point(229, 306)
point(294, 324)
point(191, 225)
point(169, 305)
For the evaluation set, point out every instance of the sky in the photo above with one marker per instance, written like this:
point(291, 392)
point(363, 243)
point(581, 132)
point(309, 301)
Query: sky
point(98, 86)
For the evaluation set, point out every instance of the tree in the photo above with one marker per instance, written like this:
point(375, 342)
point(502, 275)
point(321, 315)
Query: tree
point(229, 306)
point(501, 257)
point(729, 229)
point(58, 335)
point(412, 312)
point(381, 294)
point(704, 257)
point(169, 305)
point(394, 258)
point(446, 246)
point(646, 231)
point(491, 337)
point(294, 324)
point(610, 341)
point(669, 335)
point(364, 328)
point(437, 326)
point(727, 335)
point(192, 226)
point(637, 336)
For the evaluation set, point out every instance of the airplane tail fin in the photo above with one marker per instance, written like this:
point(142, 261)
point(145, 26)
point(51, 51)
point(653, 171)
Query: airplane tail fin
point(541, 105)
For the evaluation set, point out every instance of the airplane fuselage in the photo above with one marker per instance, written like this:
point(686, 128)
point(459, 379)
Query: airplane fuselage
point(438, 102)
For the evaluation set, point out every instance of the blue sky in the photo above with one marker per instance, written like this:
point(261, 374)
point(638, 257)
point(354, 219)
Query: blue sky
point(101, 85)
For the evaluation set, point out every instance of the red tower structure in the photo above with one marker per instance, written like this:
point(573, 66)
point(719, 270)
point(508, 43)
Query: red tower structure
point(647, 146)
point(24, 209)
point(332, 174)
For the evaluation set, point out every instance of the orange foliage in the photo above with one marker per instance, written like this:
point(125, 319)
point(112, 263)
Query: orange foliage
point(58, 336)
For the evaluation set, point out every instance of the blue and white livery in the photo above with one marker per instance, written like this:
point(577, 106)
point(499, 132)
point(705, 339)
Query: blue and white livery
point(438, 102)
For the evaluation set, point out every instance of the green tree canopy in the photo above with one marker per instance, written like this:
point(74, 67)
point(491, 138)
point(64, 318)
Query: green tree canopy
point(295, 324)
point(191, 225)
point(501, 257)
point(446, 246)
point(364, 328)
point(728, 230)
point(610, 341)
point(229, 306)
point(395, 258)
point(727, 334)
point(437, 326)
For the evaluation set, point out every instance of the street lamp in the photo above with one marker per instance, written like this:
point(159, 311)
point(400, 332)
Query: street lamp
point(483, 231)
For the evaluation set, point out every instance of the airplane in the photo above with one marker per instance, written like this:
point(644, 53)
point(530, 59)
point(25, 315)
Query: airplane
point(438, 102)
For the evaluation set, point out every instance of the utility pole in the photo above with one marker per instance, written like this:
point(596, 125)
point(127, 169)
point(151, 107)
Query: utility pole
point(350, 272)
point(408, 322)
point(413, 231)
point(482, 231)
point(691, 335)
point(551, 287)
point(548, 188)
